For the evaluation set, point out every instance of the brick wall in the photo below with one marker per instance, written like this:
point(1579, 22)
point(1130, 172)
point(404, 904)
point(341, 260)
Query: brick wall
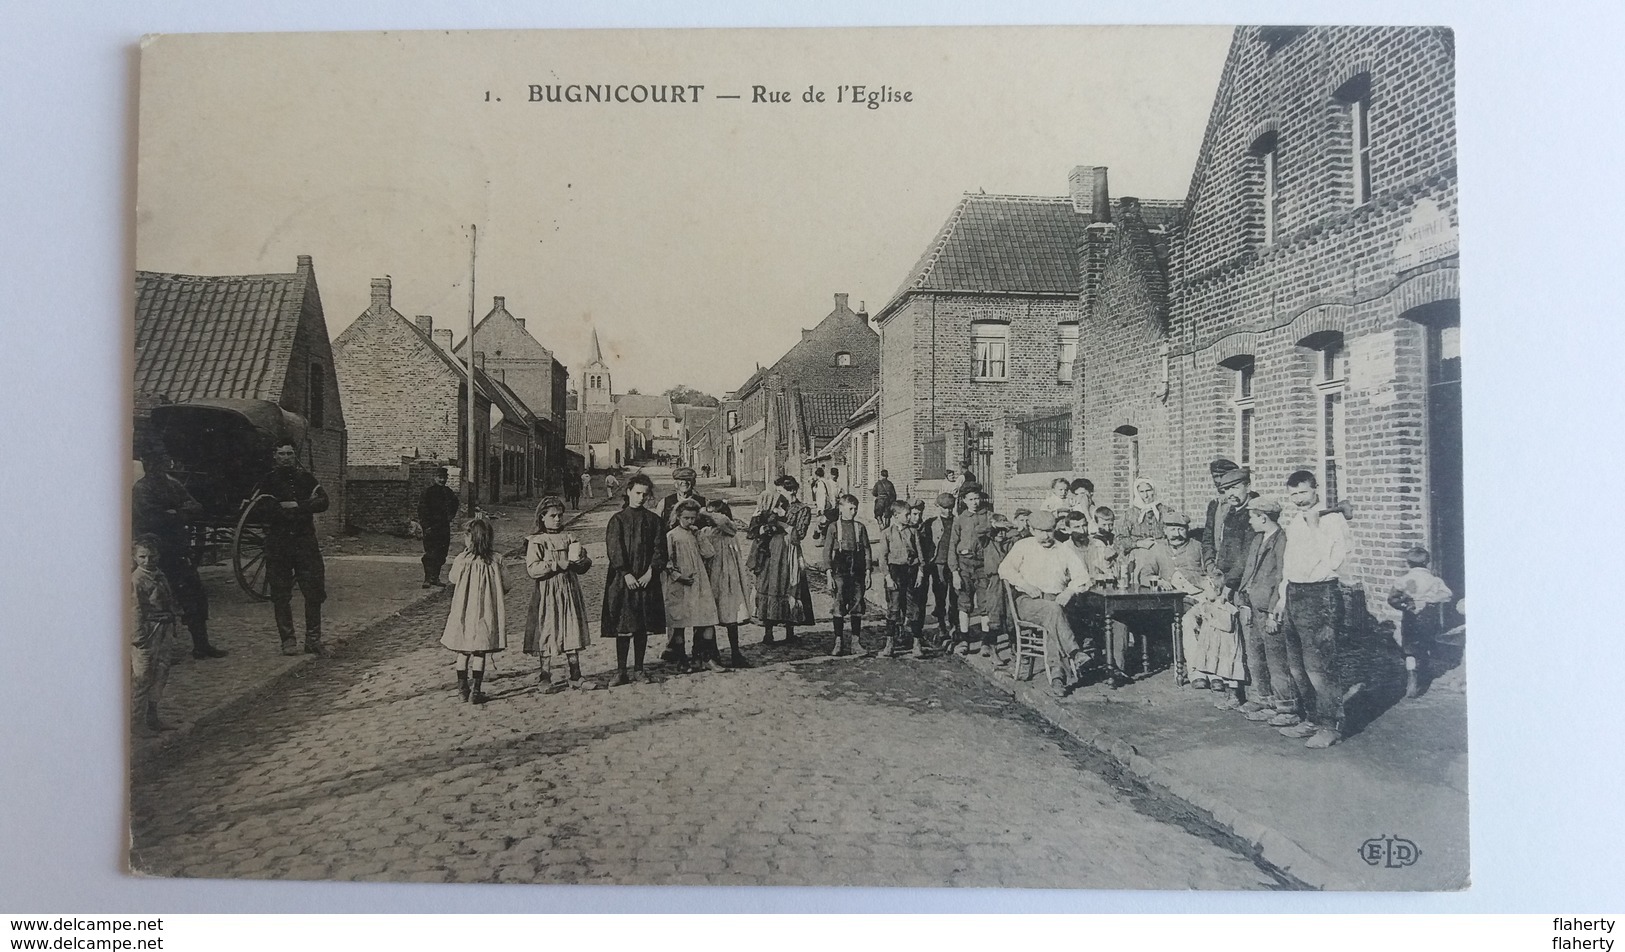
point(1334, 270)
point(940, 378)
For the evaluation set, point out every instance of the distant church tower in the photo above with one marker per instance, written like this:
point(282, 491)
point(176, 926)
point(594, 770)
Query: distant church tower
point(595, 384)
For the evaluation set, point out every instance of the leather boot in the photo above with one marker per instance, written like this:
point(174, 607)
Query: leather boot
point(840, 638)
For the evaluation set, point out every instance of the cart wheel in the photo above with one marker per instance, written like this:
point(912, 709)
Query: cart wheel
point(248, 547)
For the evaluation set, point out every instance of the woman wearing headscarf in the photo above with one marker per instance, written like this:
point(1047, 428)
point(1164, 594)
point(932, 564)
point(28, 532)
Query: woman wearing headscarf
point(782, 594)
point(1141, 525)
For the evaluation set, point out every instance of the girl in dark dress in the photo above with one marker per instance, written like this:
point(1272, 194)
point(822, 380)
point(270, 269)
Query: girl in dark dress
point(633, 602)
point(782, 594)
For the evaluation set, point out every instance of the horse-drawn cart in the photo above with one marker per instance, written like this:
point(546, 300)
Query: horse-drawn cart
point(220, 448)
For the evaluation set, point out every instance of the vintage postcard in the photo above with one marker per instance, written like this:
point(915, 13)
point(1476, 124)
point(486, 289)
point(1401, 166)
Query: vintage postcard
point(1020, 457)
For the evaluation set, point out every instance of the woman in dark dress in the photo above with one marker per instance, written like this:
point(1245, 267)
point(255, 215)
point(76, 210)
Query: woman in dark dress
point(633, 603)
point(782, 594)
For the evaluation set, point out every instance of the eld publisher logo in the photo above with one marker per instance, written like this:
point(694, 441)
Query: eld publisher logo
point(1392, 852)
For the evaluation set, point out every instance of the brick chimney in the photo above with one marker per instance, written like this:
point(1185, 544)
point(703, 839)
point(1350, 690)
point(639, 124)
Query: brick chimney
point(840, 301)
point(863, 311)
point(1087, 185)
point(443, 338)
point(303, 265)
point(498, 302)
point(425, 324)
point(380, 293)
point(520, 321)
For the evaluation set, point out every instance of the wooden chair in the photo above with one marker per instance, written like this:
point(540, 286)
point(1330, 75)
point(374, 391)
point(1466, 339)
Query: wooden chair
point(1026, 638)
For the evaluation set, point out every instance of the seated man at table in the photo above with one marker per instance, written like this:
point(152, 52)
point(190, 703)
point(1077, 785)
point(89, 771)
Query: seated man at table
point(1174, 563)
point(1046, 576)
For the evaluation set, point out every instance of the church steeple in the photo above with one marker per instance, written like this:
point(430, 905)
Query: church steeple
point(596, 391)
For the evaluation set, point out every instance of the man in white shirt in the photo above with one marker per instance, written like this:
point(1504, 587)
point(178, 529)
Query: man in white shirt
point(1316, 546)
point(1047, 576)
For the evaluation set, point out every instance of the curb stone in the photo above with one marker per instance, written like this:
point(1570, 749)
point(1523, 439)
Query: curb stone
point(147, 755)
point(1270, 844)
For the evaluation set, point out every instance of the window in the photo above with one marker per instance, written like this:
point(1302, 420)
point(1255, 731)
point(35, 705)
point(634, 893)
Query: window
point(1355, 95)
point(733, 419)
point(1269, 155)
point(1242, 405)
point(318, 402)
point(934, 458)
point(843, 359)
point(992, 351)
point(1066, 353)
point(1044, 444)
point(1330, 380)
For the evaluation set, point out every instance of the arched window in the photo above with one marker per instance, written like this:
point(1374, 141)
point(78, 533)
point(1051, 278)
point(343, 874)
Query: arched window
point(1355, 95)
point(1241, 402)
point(1331, 379)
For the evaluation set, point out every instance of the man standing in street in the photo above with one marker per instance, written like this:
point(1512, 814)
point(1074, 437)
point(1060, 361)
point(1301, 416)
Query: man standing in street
point(1229, 526)
point(436, 508)
point(292, 554)
point(1316, 545)
point(159, 508)
point(885, 495)
point(1217, 509)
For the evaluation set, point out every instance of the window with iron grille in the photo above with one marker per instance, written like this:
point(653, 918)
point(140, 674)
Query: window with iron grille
point(1044, 444)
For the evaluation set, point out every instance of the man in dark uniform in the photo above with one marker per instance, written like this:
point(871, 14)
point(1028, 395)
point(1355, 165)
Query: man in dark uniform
point(291, 552)
point(436, 507)
point(160, 507)
point(684, 476)
point(885, 494)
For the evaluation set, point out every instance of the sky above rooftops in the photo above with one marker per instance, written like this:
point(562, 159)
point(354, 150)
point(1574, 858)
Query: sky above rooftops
point(698, 238)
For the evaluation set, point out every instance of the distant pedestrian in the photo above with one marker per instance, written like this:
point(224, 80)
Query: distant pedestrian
point(690, 601)
point(613, 485)
point(885, 494)
point(556, 623)
point(153, 644)
point(572, 491)
point(726, 565)
point(476, 626)
point(160, 508)
point(900, 557)
point(1420, 597)
point(292, 554)
point(586, 485)
point(634, 604)
point(847, 562)
point(436, 508)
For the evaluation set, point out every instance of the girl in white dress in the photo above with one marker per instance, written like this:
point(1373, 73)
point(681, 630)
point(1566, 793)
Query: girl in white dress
point(477, 623)
point(725, 563)
point(556, 624)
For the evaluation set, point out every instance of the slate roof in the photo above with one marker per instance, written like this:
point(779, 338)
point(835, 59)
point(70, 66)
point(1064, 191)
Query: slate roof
point(644, 405)
point(205, 336)
point(1024, 243)
point(825, 412)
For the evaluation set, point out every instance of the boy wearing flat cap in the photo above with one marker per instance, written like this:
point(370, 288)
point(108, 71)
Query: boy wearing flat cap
point(936, 546)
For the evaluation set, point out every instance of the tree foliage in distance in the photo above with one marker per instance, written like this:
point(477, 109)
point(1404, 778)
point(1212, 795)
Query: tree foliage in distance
point(684, 394)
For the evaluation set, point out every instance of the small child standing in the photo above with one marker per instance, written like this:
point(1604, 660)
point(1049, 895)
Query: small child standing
point(477, 623)
point(847, 559)
point(156, 612)
point(1420, 597)
point(1218, 660)
point(690, 601)
point(899, 555)
point(996, 543)
point(556, 624)
point(725, 565)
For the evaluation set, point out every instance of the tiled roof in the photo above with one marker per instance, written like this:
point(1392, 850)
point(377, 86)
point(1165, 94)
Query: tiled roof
point(1002, 243)
point(513, 409)
point(229, 336)
point(599, 425)
point(644, 405)
point(825, 412)
point(1161, 212)
point(811, 363)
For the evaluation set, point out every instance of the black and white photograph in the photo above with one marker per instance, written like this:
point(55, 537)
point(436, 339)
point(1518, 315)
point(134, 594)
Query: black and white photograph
point(1024, 457)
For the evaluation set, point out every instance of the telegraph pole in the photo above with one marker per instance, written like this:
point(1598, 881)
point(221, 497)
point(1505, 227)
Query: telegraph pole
point(470, 472)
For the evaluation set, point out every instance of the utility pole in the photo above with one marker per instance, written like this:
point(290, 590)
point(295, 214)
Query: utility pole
point(470, 472)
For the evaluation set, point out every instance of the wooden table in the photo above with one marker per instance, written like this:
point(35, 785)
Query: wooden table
point(1099, 607)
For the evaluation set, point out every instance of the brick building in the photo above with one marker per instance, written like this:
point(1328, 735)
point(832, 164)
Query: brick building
point(692, 422)
point(1311, 317)
point(655, 418)
point(979, 346)
point(255, 336)
point(406, 394)
point(790, 409)
point(538, 381)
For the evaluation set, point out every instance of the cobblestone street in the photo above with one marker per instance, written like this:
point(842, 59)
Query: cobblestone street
point(798, 771)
